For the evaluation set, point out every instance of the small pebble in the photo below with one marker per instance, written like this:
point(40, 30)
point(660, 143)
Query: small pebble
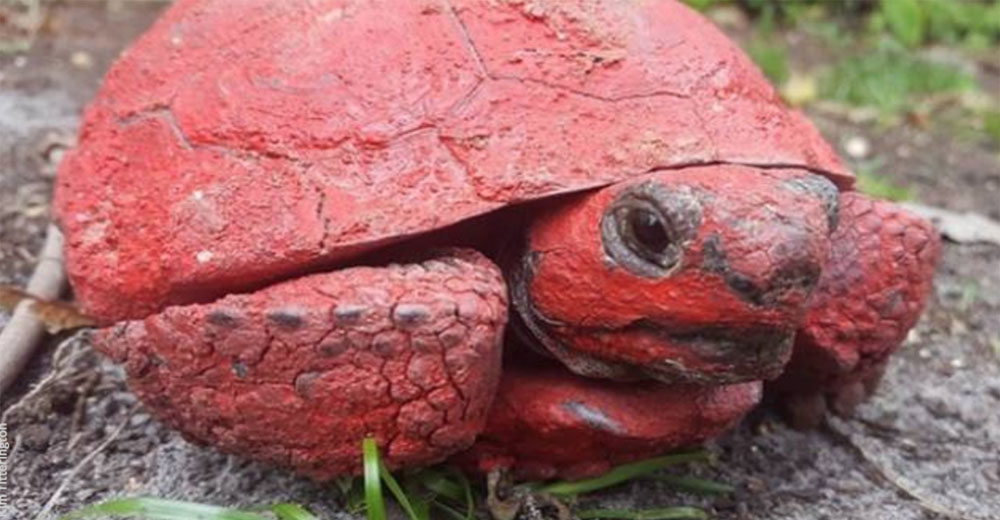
point(958, 328)
point(81, 60)
point(924, 353)
point(857, 147)
point(958, 363)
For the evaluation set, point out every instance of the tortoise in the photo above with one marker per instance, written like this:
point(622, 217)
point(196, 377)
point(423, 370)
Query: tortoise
point(305, 223)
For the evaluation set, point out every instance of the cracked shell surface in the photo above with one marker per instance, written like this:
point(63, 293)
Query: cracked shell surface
point(298, 373)
point(237, 143)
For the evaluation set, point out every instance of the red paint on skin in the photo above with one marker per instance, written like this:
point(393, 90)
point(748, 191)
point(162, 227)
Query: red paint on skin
point(748, 211)
point(548, 423)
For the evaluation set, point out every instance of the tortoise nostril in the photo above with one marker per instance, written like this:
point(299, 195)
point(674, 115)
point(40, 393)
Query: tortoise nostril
point(801, 274)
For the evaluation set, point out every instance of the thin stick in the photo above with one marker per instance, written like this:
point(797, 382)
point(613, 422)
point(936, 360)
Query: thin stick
point(24, 331)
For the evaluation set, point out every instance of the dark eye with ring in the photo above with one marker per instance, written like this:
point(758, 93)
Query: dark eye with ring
point(646, 233)
point(646, 228)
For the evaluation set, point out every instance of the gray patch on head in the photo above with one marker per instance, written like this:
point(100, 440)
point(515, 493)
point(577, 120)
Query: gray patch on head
point(287, 318)
point(410, 314)
point(594, 418)
point(347, 314)
point(796, 273)
point(239, 369)
point(824, 190)
point(715, 260)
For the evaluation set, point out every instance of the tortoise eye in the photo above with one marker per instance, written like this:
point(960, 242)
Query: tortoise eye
point(646, 233)
point(646, 227)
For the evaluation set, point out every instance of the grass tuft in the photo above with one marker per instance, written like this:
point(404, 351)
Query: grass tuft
point(424, 494)
point(292, 512)
point(161, 509)
point(695, 485)
point(622, 473)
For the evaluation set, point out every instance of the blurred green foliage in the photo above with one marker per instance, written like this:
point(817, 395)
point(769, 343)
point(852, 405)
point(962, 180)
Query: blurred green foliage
point(878, 53)
point(975, 23)
point(917, 22)
point(890, 78)
point(883, 61)
point(991, 125)
point(880, 187)
point(772, 59)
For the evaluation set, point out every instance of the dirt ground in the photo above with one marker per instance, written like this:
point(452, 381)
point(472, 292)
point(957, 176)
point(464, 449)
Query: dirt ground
point(928, 445)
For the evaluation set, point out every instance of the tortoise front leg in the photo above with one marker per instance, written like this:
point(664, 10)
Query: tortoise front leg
point(871, 293)
point(547, 422)
point(298, 373)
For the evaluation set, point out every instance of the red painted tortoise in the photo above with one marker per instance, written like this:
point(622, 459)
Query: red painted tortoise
point(308, 222)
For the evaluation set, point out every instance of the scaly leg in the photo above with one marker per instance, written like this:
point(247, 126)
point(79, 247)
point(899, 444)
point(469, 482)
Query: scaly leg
point(547, 422)
point(298, 373)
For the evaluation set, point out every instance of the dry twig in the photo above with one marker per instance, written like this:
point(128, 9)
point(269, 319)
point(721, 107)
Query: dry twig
point(24, 330)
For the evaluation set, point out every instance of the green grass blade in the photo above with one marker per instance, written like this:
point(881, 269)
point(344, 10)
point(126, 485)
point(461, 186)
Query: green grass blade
point(291, 512)
point(623, 473)
point(373, 481)
point(450, 511)
point(439, 484)
point(161, 509)
point(397, 491)
point(694, 484)
point(470, 501)
point(421, 506)
point(669, 513)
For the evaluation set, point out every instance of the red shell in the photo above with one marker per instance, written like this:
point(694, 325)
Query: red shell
point(239, 142)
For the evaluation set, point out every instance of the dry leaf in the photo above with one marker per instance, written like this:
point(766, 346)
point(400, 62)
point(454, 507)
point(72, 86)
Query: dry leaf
point(57, 316)
point(959, 227)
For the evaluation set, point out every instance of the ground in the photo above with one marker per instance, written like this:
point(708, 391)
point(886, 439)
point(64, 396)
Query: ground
point(927, 445)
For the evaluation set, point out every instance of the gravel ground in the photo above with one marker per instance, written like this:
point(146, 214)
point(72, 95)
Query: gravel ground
point(927, 446)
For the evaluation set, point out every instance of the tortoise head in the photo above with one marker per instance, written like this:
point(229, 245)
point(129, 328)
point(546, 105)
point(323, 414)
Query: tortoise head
point(700, 274)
